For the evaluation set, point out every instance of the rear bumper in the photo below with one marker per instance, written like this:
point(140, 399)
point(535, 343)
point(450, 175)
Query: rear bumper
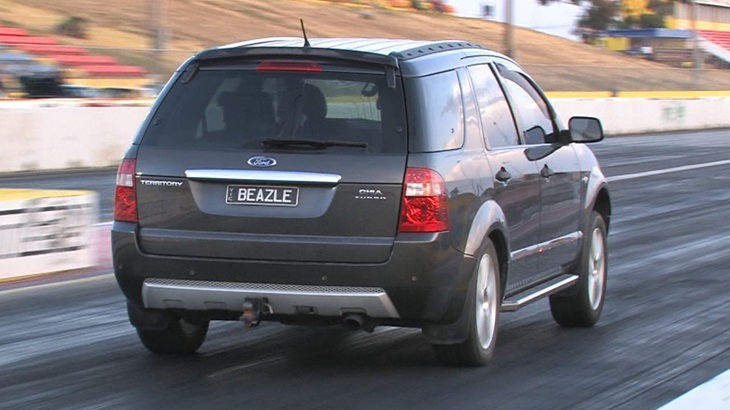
point(283, 299)
point(423, 282)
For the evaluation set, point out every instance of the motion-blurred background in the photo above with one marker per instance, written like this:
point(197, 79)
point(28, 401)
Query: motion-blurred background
point(88, 48)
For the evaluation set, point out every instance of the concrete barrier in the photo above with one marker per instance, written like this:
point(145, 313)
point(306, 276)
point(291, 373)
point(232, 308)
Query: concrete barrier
point(44, 135)
point(50, 231)
point(61, 137)
point(46, 231)
point(643, 115)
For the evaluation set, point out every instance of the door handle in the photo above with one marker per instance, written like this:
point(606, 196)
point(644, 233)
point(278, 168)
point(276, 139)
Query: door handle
point(503, 175)
point(546, 172)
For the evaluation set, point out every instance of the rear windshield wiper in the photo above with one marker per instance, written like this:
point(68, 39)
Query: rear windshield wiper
point(315, 144)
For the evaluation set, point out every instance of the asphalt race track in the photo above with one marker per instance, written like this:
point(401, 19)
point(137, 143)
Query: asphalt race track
point(66, 343)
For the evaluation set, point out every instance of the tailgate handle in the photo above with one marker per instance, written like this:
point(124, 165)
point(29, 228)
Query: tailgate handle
point(236, 175)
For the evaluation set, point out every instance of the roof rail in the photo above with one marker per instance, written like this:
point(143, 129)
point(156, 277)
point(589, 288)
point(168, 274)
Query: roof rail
point(433, 48)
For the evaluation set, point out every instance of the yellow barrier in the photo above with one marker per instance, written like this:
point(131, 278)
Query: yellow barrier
point(20, 194)
point(674, 95)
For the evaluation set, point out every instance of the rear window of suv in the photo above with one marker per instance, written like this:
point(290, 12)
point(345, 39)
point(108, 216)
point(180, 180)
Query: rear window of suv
point(238, 108)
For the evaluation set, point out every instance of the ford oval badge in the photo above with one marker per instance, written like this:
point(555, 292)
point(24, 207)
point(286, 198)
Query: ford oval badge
point(261, 161)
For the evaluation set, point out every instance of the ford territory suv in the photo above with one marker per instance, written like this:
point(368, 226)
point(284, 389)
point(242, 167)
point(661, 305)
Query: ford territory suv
point(361, 182)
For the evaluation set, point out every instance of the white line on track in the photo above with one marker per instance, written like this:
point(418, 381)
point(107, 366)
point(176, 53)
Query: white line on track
point(713, 394)
point(667, 170)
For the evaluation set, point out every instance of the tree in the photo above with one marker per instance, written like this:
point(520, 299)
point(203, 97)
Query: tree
point(651, 20)
point(608, 14)
point(601, 15)
point(662, 8)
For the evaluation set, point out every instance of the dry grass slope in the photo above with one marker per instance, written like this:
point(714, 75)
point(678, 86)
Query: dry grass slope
point(123, 29)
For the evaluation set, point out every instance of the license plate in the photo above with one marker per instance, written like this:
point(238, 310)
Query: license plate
point(262, 195)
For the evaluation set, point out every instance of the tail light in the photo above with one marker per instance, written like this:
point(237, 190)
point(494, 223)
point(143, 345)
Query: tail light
point(125, 198)
point(425, 202)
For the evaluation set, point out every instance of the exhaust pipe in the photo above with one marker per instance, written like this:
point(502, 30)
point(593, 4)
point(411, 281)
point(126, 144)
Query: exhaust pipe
point(354, 321)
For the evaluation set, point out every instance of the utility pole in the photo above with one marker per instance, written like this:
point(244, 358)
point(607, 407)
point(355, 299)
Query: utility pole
point(509, 30)
point(696, 52)
point(157, 22)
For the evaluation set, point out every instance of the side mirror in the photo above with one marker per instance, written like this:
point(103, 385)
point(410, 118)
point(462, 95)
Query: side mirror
point(585, 129)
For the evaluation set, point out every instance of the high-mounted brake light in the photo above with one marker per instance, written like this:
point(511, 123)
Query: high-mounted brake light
point(290, 66)
point(425, 202)
point(125, 198)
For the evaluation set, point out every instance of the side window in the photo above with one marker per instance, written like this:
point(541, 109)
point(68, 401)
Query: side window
point(529, 105)
point(497, 121)
point(436, 112)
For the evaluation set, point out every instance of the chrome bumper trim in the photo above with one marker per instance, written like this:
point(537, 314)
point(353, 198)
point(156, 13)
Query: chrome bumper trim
point(284, 299)
point(236, 175)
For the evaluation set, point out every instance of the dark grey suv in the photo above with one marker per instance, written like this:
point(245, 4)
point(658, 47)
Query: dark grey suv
point(358, 181)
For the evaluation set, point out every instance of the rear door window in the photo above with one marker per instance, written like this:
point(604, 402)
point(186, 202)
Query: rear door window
point(497, 121)
point(238, 108)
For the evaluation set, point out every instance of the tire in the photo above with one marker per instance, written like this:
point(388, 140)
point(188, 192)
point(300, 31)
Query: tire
point(482, 309)
point(583, 306)
point(180, 337)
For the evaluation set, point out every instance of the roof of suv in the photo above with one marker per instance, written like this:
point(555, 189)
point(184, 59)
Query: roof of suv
point(432, 56)
point(400, 48)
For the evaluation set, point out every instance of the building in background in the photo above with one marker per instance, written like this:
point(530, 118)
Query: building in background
point(674, 43)
point(557, 18)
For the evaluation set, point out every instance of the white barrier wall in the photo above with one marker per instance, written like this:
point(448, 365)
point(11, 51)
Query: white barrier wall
point(60, 137)
point(34, 136)
point(642, 115)
point(50, 231)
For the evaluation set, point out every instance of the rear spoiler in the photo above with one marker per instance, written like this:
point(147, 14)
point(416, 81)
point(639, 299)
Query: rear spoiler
point(300, 53)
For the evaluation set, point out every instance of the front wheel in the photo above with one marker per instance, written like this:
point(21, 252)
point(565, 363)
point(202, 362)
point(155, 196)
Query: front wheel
point(483, 316)
point(583, 307)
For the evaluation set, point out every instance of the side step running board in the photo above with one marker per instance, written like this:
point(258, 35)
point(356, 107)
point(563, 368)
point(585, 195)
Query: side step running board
point(533, 295)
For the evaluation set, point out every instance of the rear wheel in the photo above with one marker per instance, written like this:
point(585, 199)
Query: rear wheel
point(483, 311)
point(180, 337)
point(583, 307)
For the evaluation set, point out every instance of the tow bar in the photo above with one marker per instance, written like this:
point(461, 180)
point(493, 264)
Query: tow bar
point(253, 310)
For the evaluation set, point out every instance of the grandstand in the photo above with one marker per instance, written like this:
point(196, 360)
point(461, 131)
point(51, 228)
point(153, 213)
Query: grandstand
point(674, 44)
point(713, 25)
point(27, 61)
point(721, 38)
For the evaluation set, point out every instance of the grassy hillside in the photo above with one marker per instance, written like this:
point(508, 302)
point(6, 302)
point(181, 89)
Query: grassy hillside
point(123, 29)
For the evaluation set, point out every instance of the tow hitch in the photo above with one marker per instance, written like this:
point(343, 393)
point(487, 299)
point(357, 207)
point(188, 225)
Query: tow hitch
point(253, 310)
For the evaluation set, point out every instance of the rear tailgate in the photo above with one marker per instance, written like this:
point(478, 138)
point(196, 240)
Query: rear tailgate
point(207, 186)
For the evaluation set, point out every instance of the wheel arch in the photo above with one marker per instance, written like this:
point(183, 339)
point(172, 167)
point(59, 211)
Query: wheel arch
point(602, 205)
point(598, 197)
point(502, 247)
point(490, 223)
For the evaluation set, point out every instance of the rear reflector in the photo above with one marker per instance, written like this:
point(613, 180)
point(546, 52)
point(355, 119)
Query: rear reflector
point(425, 202)
point(291, 66)
point(125, 198)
